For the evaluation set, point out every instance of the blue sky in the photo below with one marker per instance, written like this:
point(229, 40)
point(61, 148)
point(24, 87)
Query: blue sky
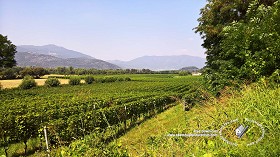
point(106, 29)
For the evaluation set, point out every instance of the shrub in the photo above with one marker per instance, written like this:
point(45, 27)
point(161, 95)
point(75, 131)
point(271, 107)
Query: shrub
point(110, 79)
point(8, 73)
point(120, 79)
point(184, 73)
point(127, 79)
point(99, 80)
point(27, 82)
point(74, 80)
point(0, 86)
point(89, 79)
point(275, 77)
point(52, 82)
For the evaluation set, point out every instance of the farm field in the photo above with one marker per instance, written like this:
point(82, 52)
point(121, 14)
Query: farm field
point(73, 112)
point(14, 83)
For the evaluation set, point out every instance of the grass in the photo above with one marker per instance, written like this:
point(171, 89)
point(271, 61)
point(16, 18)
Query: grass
point(46, 76)
point(135, 140)
point(17, 149)
point(255, 102)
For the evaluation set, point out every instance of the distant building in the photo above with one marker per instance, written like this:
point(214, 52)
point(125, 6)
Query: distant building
point(196, 73)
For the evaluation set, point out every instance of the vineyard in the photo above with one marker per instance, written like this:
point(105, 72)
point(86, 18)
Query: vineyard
point(72, 112)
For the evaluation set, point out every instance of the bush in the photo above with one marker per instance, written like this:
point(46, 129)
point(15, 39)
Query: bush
point(0, 86)
point(27, 82)
point(74, 80)
point(52, 82)
point(89, 79)
point(110, 79)
point(120, 79)
point(184, 73)
point(275, 77)
point(127, 79)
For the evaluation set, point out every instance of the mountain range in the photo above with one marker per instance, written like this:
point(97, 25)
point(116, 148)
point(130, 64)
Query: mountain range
point(31, 59)
point(162, 62)
point(52, 50)
point(54, 56)
point(50, 56)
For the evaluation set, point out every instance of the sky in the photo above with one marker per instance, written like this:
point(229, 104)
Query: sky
point(106, 29)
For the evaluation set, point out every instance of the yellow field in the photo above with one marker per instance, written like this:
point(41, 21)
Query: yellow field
point(16, 83)
point(46, 76)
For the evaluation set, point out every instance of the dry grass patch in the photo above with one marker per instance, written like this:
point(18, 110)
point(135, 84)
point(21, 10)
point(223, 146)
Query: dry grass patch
point(16, 83)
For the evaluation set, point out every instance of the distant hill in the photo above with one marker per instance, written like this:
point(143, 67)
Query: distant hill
point(33, 59)
point(162, 62)
point(52, 50)
point(190, 69)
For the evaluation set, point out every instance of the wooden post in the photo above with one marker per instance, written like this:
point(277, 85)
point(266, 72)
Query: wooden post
point(125, 118)
point(46, 138)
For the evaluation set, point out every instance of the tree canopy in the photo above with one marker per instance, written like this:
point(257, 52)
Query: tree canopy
point(241, 40)
point(7, 52)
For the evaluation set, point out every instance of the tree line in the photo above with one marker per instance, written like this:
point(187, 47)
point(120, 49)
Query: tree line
point(37, 72)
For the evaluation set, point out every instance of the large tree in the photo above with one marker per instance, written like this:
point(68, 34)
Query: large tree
point(7, 52)
point(215, 16)
point(252, 47)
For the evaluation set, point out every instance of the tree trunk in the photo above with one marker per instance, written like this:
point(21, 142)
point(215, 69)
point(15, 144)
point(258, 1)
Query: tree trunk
point(25, 148)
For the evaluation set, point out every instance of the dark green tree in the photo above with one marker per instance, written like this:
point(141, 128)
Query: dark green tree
point(252, 47)
point(7, 52)
point(215, 16)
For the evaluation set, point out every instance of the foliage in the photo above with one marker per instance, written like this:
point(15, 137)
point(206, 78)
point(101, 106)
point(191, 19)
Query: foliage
point(74, 80)
point(7, 52)
point(215, 27)
point(52, 82)
point(250, 50)
point(88, 147)
point(193, 97)
point(82, 71)
point(35, 72)
point(89, 79)
point(190, 69)
point(19, 72)
point(275, 77)
point(184, 73)
point(9, 73)
point(127, 79)
point(27, 83)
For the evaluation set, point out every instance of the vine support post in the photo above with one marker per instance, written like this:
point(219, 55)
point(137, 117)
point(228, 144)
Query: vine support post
point(46, 139)
point(125, 118)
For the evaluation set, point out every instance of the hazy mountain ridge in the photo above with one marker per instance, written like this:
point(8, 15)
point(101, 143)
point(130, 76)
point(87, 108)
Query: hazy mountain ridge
point(162, 62)
point(54, 56)
point(52, 50)
point(32, 59)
